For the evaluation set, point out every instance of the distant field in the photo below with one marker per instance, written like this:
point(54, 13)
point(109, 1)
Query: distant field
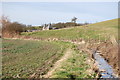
point(102, 30)
point(22, 58)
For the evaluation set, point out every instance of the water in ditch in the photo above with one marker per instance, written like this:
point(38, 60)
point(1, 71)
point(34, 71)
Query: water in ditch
point(106, 71)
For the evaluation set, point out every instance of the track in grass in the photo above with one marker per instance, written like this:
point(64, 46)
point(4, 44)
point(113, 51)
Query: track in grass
point(58, 64)
point(21, 58)
point(33, 59)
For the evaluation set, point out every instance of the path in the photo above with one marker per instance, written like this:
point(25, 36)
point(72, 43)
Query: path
point(59, 63)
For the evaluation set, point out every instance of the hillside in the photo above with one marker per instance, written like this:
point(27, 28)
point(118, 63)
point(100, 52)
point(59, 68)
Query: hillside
point(109, 23)
point(102, 30)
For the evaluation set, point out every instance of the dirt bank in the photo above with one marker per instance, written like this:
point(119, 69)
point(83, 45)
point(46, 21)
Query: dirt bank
point(109, 51)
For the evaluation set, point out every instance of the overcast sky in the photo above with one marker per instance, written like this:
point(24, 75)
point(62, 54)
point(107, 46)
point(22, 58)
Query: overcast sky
point(38, 13)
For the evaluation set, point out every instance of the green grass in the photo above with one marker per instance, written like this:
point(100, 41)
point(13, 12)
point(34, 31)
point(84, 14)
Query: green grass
point(23, 58)
point(102, 30)
point(75, 67)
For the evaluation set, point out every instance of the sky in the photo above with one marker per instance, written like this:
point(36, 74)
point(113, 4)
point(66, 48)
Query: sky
point(39, 13)
point(60, 0)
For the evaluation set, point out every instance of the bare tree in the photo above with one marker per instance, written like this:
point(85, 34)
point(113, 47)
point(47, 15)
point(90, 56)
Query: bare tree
point(74, 19)
point(4, 21)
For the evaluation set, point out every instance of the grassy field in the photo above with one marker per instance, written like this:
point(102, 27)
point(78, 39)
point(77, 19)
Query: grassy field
point(22, 58)
point(102, 30)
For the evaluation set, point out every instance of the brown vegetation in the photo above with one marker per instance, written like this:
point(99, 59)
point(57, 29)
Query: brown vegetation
point(10, 29)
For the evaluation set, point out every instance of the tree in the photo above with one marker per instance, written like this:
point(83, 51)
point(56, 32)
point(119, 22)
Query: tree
point(74, 19)
point(4, 21)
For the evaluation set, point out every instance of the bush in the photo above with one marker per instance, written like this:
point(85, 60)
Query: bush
point(11, 28)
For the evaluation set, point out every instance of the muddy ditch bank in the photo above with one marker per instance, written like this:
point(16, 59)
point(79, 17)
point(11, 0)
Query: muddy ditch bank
point(108, 51)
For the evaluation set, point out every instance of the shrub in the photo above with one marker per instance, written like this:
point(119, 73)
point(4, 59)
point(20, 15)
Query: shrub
point(11, 28)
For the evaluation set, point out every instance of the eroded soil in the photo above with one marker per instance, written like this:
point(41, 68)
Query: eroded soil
point(109, 51)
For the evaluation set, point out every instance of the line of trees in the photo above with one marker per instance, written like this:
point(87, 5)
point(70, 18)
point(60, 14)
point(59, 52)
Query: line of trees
point(65, 25)
point(68, 24)
point(30, 27)
point(10, 29)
